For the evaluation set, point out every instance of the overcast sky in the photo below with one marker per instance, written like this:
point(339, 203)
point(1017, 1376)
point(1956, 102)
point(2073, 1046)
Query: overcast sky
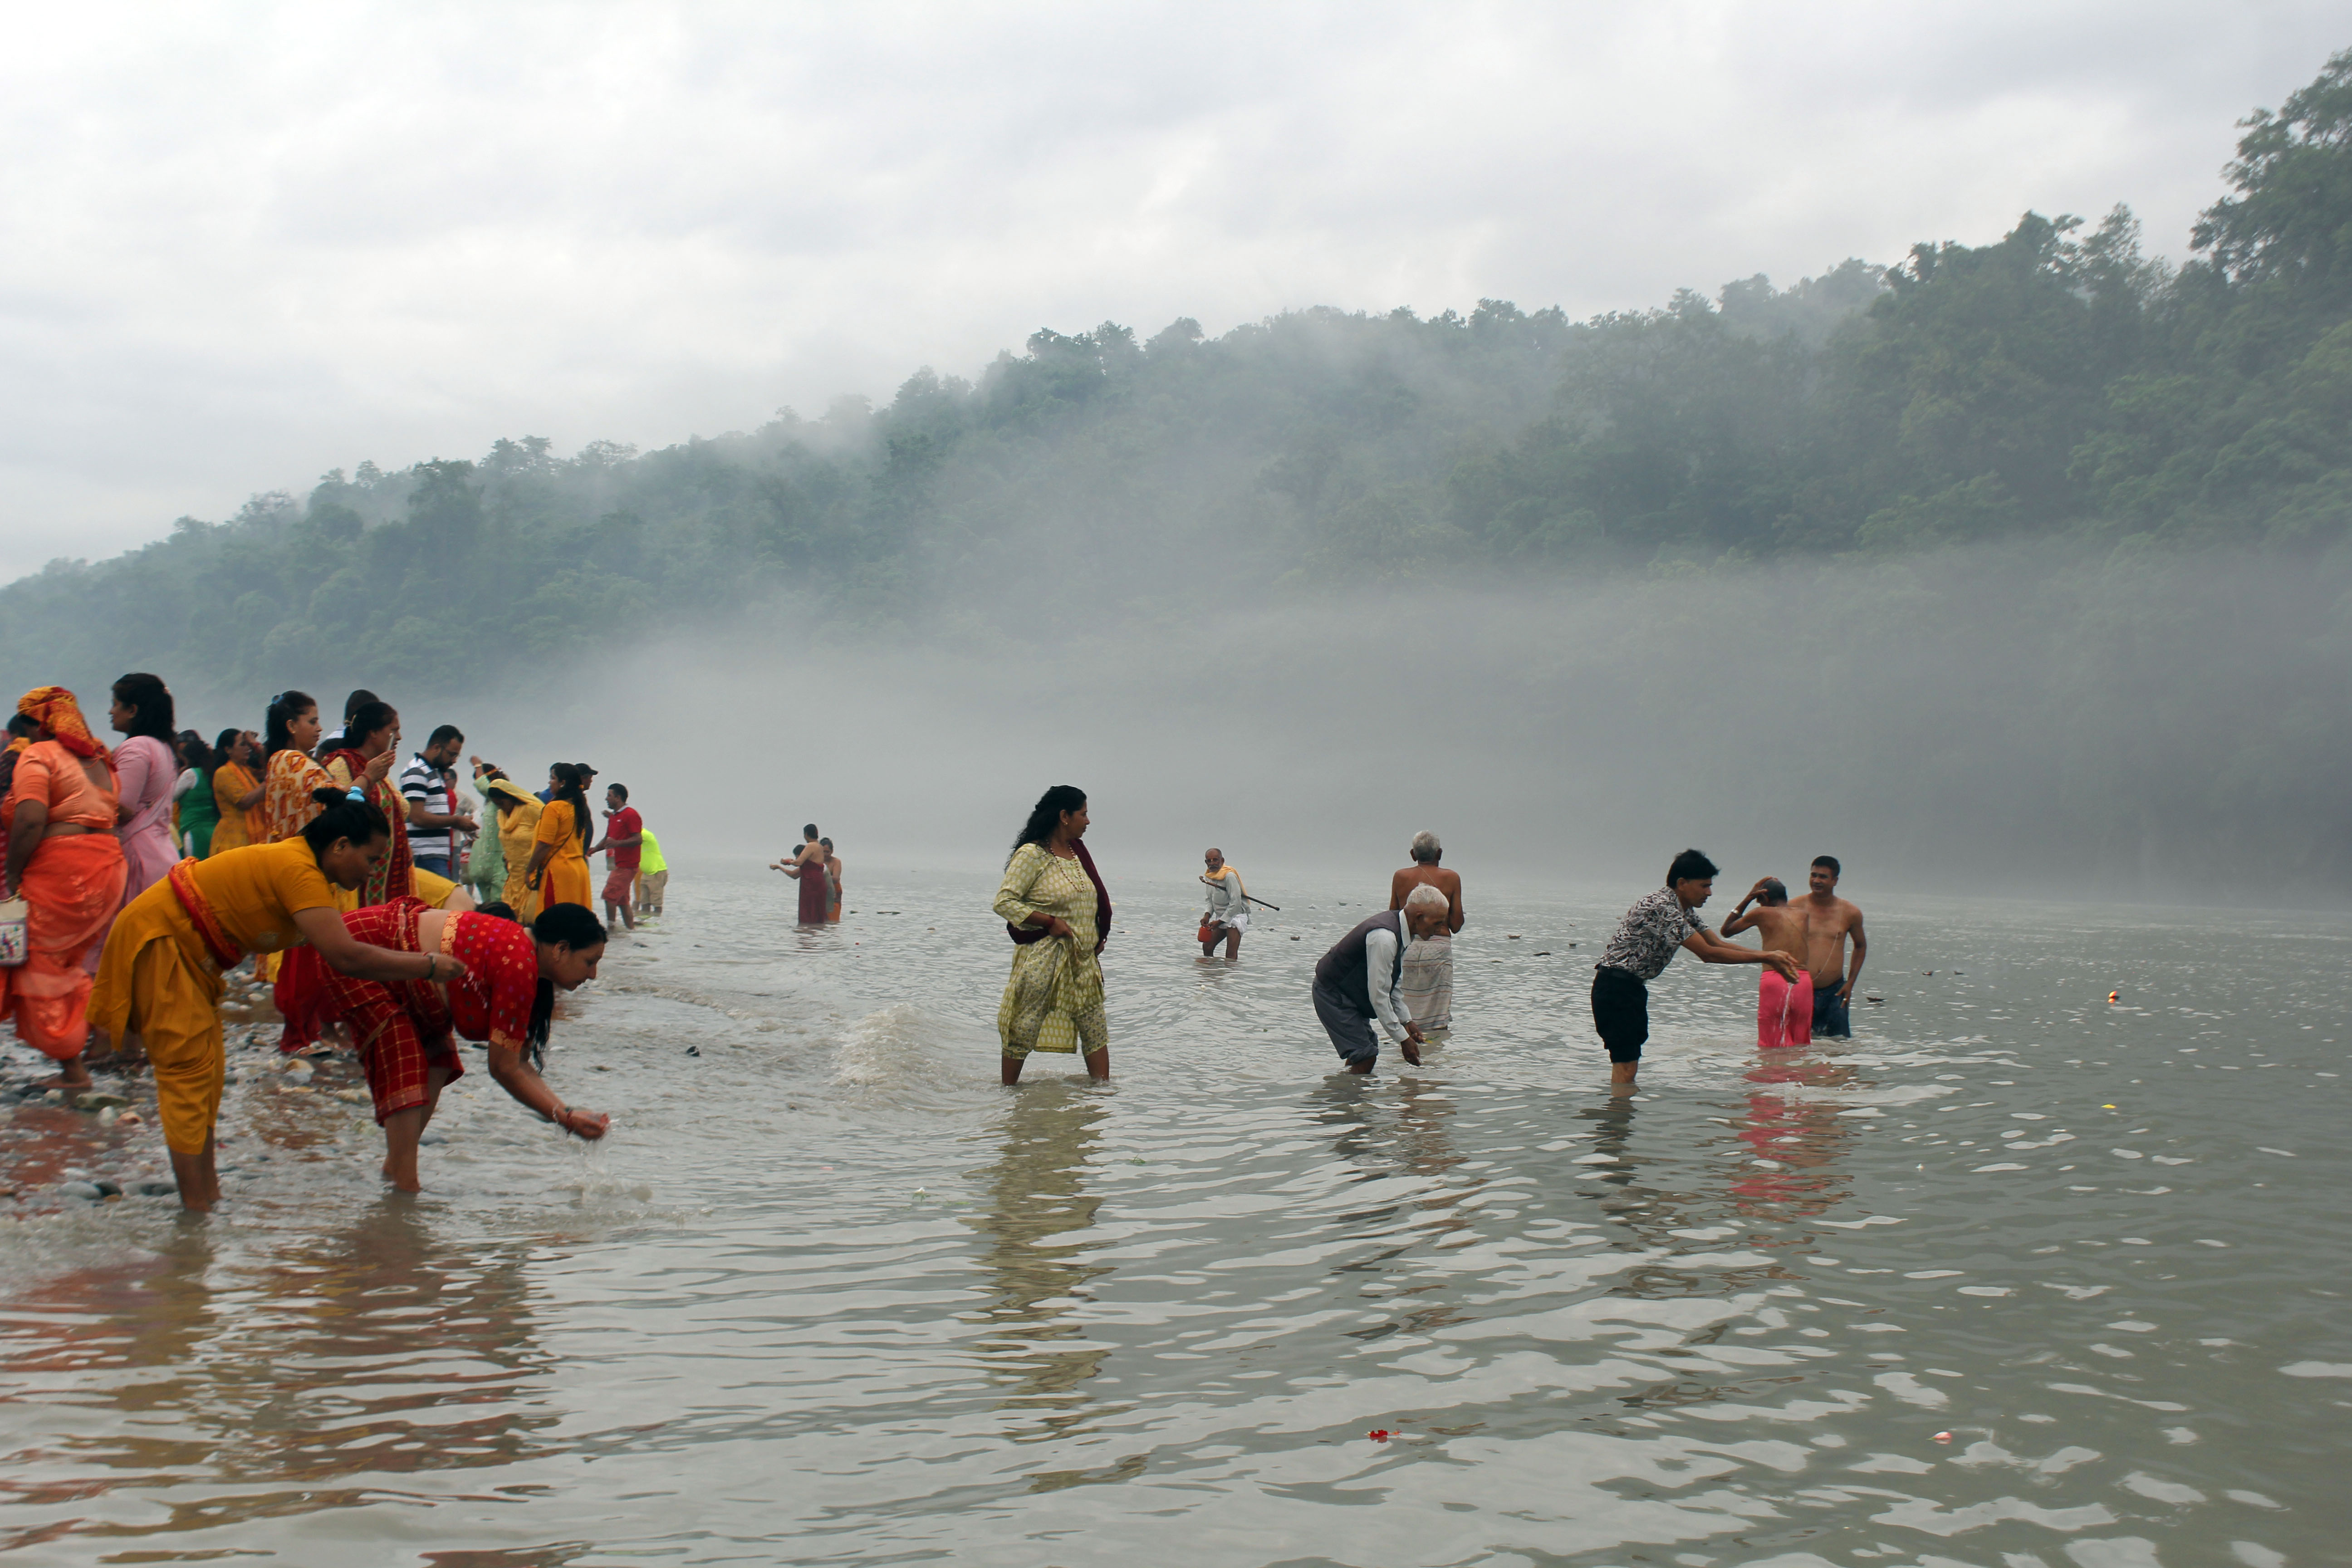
point(242, 245)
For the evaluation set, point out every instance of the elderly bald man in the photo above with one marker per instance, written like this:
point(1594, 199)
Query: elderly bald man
point(1358, 981)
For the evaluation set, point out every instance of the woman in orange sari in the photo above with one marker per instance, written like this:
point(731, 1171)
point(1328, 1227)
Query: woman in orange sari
point(237, 794)
point(559, 862)
point(363, 762)
point(64, 860)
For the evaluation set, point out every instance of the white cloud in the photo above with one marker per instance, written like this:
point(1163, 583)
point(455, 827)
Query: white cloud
point(239, 246)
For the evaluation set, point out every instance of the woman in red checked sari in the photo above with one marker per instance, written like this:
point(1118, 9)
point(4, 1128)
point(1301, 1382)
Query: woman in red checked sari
point(405, 1029)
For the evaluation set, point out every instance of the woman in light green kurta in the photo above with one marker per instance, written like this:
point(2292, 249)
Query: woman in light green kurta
point(1054, 1000)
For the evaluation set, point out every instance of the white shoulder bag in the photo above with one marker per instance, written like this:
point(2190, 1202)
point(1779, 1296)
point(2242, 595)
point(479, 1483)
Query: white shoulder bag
point(13, 945)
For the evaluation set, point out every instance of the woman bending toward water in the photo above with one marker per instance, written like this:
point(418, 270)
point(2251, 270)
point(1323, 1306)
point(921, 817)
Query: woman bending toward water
point(1054, 906)
point(161, 974)
point(503, 996)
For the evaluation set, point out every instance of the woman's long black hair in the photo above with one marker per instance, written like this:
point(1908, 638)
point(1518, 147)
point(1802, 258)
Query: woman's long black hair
point(576, 927)
point(366, 720)
point(1047, 815)
point(568, 789)
point(343, 817)
point(284, 708)
point(194, 754)
point(150, 701)
point(224, 747)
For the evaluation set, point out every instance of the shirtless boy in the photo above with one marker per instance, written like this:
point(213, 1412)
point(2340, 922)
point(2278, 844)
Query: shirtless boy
point(1833, 921)
point(1784, 1011)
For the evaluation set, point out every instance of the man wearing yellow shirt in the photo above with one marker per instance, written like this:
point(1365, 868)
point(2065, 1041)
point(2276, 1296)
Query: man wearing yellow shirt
point(653, 874)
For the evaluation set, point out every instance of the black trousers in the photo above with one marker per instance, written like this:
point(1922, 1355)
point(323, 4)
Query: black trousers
point(1621, 1012)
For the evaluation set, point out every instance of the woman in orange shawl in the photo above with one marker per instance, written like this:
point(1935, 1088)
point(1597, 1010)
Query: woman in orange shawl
point(370, 741)
point(237, 794)
point(64, 860)
point(558, 861)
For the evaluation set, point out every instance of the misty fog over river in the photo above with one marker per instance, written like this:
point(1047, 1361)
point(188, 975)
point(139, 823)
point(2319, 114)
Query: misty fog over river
point(1917, 436)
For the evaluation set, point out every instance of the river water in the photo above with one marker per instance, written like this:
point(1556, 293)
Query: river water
point(2015, 1277)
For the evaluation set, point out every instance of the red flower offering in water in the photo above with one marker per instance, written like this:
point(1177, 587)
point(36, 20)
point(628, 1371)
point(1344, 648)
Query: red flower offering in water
point(1377, 1434)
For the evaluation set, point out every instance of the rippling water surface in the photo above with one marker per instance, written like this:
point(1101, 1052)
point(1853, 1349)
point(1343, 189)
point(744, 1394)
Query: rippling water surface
point(2015, 1277)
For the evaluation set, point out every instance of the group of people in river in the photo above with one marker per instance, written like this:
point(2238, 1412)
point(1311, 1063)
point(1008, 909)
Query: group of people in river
point(141, 875)
point(1392, 977)
point(818, 869)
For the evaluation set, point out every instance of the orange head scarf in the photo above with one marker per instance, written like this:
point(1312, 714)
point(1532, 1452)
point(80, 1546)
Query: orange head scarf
point(59, 716)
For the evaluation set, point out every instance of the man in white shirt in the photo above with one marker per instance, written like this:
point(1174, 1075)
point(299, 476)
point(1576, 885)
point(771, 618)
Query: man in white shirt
point(1356, 983)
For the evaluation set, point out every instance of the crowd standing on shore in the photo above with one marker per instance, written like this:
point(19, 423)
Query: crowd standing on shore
point(139, 877)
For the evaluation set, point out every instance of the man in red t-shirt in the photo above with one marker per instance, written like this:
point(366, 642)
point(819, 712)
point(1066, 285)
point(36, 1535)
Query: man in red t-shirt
point(624, 832)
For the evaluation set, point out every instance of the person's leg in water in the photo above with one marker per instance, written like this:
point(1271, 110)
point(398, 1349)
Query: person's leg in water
point(1232, 942)
point(1621, 1015)
point(620, 888)
point(402, 1130)
point(1352, 1035)
point(1831, 1018)
point(1784, 1010)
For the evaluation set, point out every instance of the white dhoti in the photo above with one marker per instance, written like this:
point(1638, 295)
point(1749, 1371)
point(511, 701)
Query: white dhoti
point(1427, 982)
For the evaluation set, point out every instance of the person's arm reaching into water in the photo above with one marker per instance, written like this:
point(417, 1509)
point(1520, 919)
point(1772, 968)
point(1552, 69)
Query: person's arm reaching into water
point(1712, 949)
point(1388, 1001)
point(517, 1078)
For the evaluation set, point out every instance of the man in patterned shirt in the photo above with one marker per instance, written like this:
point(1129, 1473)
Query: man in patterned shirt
point(1639, 953)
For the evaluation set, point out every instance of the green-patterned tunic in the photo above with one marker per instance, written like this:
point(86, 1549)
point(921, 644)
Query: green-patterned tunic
point(1054, 1000)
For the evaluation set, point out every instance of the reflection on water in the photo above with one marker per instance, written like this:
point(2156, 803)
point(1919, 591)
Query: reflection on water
point(2015, 1277)
point(1034, 1191)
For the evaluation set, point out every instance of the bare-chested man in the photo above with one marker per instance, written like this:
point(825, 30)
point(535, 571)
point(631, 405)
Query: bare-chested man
point(1834, 919)
point(1784, 1009)
point(1428, 984)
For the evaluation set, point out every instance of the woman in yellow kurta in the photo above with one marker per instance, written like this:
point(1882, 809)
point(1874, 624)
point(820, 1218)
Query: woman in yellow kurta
point(559, 860)
point(237, 794)
point(518, 829)
point(160, 973)
point(1054, 906)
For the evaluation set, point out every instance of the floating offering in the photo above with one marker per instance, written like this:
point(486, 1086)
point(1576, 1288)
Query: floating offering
point(2114, 996)
point(1943, 1436)
point(1377, 1434)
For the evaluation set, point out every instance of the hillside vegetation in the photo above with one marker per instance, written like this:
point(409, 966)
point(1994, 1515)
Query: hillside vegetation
point(2055, 382)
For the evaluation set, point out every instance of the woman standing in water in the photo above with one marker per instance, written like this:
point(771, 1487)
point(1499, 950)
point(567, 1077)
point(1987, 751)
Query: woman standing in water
point(832, 882)
point(1054, 908)
point(807, 866)
point(558, 866)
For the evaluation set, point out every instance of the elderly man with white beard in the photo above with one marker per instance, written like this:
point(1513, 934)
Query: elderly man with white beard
point(1358, 981)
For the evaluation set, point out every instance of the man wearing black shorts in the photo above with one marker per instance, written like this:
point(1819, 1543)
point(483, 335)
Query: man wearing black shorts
point(1644, 944)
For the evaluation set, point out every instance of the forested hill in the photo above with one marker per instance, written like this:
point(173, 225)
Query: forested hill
point(2055, 382)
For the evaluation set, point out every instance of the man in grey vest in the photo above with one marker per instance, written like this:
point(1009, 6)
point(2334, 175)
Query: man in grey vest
point(1357, 981)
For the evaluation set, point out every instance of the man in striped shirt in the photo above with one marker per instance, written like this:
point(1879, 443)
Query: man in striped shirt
point(433, 821)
